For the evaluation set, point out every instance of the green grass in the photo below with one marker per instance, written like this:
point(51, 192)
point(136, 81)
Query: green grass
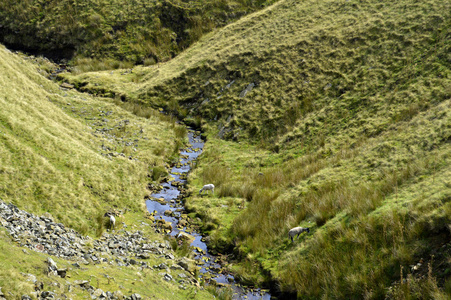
point(346, 131)
point(57, 143)
point(111, 34)
point(55, 147)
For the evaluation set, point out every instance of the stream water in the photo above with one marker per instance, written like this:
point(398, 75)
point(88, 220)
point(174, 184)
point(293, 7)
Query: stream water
point(172, 202)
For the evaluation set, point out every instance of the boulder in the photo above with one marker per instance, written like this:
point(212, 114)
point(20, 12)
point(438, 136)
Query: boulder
point(118, 295)
point(66, 85)
point(185, 236)
point(187, 264)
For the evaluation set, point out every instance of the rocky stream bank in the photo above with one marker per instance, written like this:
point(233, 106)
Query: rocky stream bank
point(124, 248)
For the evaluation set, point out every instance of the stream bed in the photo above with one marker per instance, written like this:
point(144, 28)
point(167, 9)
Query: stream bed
point(169, 207)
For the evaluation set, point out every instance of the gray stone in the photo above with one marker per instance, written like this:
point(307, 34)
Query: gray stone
point(82, 283)
point(136, 296)
point(66, 85)
point(47, 295)
point(167, 277)
point(99, 293)
point(187, 264)
point(143, 256)
point(176, 267)
point(52, 267)
point(247, 90)
point(118, 295)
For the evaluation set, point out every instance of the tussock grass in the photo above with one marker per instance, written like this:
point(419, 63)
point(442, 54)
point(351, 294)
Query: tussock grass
point(383, 238)
point(348, 123)
point(114, 34)
point(216, 173)
point(223, 293)
point(82, 65)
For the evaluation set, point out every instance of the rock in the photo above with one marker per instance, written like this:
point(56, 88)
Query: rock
point(82, 283)
point(135, 297)
point(52, 267)
point(176, 267)
point(247, 90)
point(67, 85)
point(170, 256)
point(169, 213)
point(99, 293)
point(118, 295)
point(167, 277)
point(62, 273)
point(187, 264)
point(182, 223)
point(164, 225)
point(47, 295)
point(185, 236)
point(143, 256)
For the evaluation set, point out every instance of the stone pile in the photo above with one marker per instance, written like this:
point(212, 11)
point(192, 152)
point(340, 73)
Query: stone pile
point(42, 234)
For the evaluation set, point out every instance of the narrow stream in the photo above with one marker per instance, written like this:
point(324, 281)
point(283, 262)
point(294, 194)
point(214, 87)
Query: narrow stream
point(170, 194)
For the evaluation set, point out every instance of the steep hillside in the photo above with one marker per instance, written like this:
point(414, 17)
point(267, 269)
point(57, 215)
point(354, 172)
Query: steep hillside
point(66, 159)
point(109, 34)
point(333, 115)
point(69, 153)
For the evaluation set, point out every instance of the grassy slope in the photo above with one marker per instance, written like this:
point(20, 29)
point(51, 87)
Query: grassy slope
point(114, 33)
point(37, 121)
point(352, 104)
point(52, 162)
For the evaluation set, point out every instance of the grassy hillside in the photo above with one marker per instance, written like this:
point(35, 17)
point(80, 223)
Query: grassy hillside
point(110, 34)
point(333, 115)
point(75, 156)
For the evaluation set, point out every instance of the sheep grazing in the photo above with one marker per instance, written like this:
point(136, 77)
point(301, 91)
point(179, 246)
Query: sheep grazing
point(296, 231)
point(112, 219)
point(207, 187)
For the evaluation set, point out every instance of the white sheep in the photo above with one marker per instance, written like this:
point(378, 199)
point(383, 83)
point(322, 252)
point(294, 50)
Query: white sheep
point(112, 219)
point(296, 231)
point(207, 187)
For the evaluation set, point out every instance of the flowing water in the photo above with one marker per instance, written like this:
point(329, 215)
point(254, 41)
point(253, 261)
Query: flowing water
point(170, 193)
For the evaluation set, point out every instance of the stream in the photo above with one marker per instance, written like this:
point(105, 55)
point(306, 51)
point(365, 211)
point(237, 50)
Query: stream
point(170, 193)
